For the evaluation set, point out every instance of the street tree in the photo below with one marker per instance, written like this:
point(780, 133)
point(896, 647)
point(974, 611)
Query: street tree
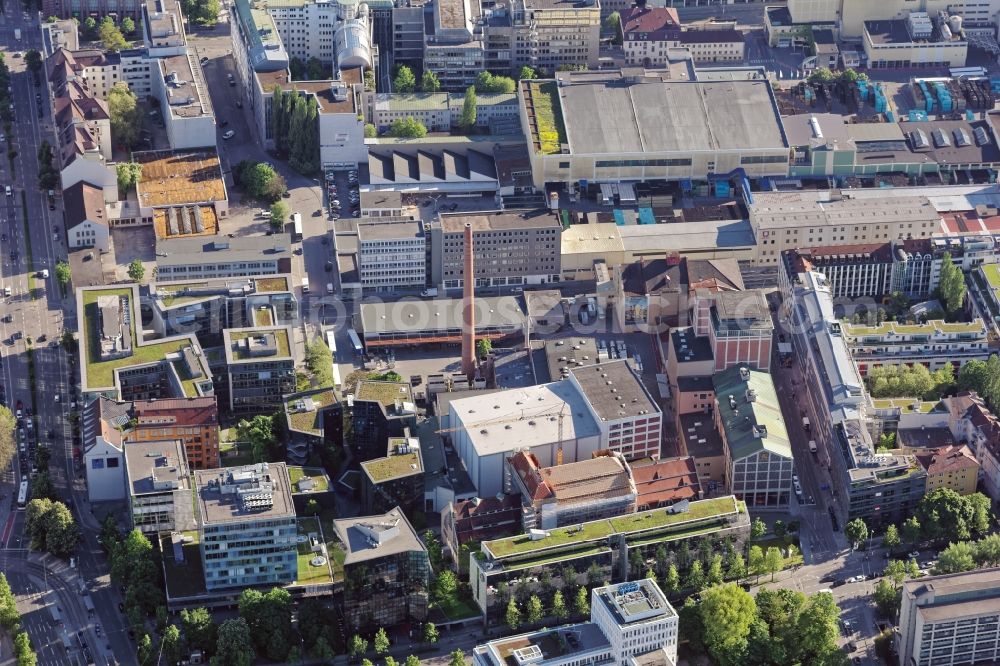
point(887, 598)
point(987, 551)
point(895, 571)
point(559, 610)
point(512, 616)
point(381, 643)
point(727, 612)
point(431, 634)
point(446, 585)
point(817, 631)
point(199, 629)
point(407, 128)
point(691, 627)
point(172, 645)
point(321, 650)
point(429, 82)
point(672, 581)
point(535, 610)
point(262, 181)
point(695, 577)
point(370, 131)
point(111, 37)
point(33, 60)
point(911, 531)
point(457, 658)
point(715, 574)
point(951, 287)
point(956, 558)
point(144, 650)
point(269, 617)
point(404, 81)
point(23, 651)
point(128, 25)
point(470, 110)
point(234, 647)
point(279, 214)
point(10, 618)
point(581, 604)
point(856, 531)
point(8, 448)
point(51, 527)
point(90, 27)
point(412, 660)
point(756, 562)
point(891, 538)
point(757, 528)
point(357, 646)
point(943, 513)
point(773, 561)
point(126, 116)
point(136, 271)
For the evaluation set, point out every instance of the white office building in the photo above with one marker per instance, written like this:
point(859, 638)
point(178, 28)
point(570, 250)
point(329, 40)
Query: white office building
point(391, 255)
point(953, 619)
point(630, 623)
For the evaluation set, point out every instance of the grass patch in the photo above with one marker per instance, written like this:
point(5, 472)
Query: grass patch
point(992, 274)
point(263, 318)
point(647, 520)
point(318, 476)
point(457, 608)
point(271, 284)
point(312, 421)
point(783, 543)
point(549, 127)
point(233, 455)
point(187, 578)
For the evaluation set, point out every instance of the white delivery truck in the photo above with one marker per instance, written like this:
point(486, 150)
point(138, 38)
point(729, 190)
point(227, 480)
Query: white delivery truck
point(305, 285)
point(805, 423)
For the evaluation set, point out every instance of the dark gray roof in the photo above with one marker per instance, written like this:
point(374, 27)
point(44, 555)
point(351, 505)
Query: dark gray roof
point(213, 249)
point(613, 390)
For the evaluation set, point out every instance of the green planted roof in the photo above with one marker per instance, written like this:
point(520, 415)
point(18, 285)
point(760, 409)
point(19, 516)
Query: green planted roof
point(752, 419)
point(701, 510)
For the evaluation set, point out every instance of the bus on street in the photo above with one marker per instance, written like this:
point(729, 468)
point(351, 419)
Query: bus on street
point(22, 495)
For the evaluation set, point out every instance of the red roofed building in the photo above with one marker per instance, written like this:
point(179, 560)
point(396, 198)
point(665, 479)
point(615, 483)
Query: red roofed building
point(474, 520)
point(973, 424)
point(953, 467)
point(649, 33)
point(661, 483)
point(194, 421)
point(572, 493)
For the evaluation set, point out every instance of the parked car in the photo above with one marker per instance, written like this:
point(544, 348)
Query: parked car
point(229, 134)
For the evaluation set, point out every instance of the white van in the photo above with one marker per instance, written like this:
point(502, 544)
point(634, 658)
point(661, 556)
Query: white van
point(10, 192)
point(305, 285)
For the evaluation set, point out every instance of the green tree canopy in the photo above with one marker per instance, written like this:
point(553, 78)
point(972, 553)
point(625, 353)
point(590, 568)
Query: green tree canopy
point(407, 128)
point(944, 514)
point(956, 558)
point(199, 629)
point(727, 612)
point(526, 73)
point(111, 37)
point(405, 81)
point(381, 641)
point(512, 616)
point(431, 634)
point(128, 175)
point(51, 527)
point(126, 116)
point(319, 360)
point(262, 181)
point(269, 618)
point(234, 647)
point(856, 531)
point(128, 25)
point(951, 287)
point(8, 449)
point(470, 109)
point(33, 60)
point(279, 214)
point(258, 432)
point(136, 271)
point(429, 82)
point(488, 83)
point(891, 538)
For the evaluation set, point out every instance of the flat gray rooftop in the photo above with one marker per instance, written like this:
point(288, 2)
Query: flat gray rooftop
point(396, 532)
point(614, 391)
point(163, 460)
point(216, 506)
point(655, 116)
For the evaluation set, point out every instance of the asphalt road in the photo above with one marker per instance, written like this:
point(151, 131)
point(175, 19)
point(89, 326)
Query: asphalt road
point(38, 313)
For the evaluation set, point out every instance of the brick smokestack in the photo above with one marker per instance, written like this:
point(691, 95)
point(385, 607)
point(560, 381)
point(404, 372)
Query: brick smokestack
point(469, 310)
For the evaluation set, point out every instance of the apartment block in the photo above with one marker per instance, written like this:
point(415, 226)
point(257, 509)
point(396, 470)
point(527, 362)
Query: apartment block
point(159, 486)
point(192, 421)
point(260, 368)
point(571, 493)
point(853, 271)
point(630, 623)
point(509, 249)
point(790, 220)
point(952, 467)
point(386, 571)
point(757, 449)
point(653, 37)
point(932, 344)
point(952, 619)
point(392, 255)
point(247, 528)
point(567, 553)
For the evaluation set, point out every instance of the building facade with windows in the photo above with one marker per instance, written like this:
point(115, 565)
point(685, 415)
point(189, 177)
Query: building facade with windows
point(932, 344)
point(260, 368)
point(193, 421)
point(247, 528)
point(392, 255)
point(386, 571)
point(952, 619)
point(159, 486)
point(509, 249)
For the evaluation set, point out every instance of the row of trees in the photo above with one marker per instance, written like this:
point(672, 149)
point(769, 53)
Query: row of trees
point(358, 646)
point(51, 526)
point(941, 515)
point(6, 114)
point(319, 361)
point(133, 567)
point(8, 447)
point(10, 622)
point(48, 174)
point(295, 128)
point(778, 627)
point(916, 381)
point(110, 35)
point(534, 611)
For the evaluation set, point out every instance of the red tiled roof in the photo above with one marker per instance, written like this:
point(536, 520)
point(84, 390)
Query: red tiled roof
point(948, 459)
point(486, 518)
point(655, 23)
point(663, 482)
